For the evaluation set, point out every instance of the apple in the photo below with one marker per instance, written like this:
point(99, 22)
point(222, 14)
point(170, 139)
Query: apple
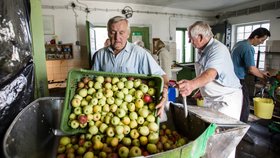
point(144, 130)
point(87, 144)
point(134, 134)
point(61, 149)
point(120, 85)
point(119, 129)
point(91, 90)
point(94, 101)
point(102, 154)
point(115, 120)
point(82, 119)
point(97, 85)
point(139, 103)
point(83, 125)
point(81, 150)
point(147, 98)
point(88, 154)
point(110, 132)
point(126, 141)
point(107, 119)
point(126, 120)
point(128, 84)
point(72, 116)
point(96, 108)
point(140, 120)
point(90, 83)
point(143, 140)
point(108, 79)
point(115, 80)
point(166, 146)
point(84, 102)
point(101, 102)
point(83, 92)
point(153, 138)
point(81, 84)
point(133, 124)
point(126, 129)
point(115, 88)
point(131, 106)
point(88, 136)
point(133, 115)
point(65, 140)
point(78, 96)
point(106, 108)
point(130, 78)
point(152, 148)
point(143, 112)
point(123, 152)
point(151, 118)
point(100, 79)
point(137, 83)
point(108, 85)
point(114, 142)
point(125, 91)
point(120, 112)
point(138, 94)
point(93, 130)
point(97, 145)
point(128, 98)
point(87, 109)
point(99, 94)
point(120, 95)
point(108, 93)
point(103, 127)
point(96, 116)
point(124, 106)
point(151, 83)
point(144, 88)
point(88, 98)
point(151, 91)
point(153, 126)
point(135, 151)
point(113, 108)
point(152, 106)
point(110, 100)
point(118, 101)
point(75, 102)
point(136, 142)
point(132, 91)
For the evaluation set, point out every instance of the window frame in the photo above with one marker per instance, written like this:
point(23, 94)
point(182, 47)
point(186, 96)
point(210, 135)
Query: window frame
point(192, 56)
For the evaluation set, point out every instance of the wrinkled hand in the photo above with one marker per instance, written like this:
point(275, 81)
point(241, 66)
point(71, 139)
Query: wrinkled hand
point(266, 74)
point(185, 87)
point(160, 106)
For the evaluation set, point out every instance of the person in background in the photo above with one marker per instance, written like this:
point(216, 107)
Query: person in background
point(244, 64)
point(215, 75)
point(163, 57)
point(142, 44)
point(124, 57)
point(107, 42)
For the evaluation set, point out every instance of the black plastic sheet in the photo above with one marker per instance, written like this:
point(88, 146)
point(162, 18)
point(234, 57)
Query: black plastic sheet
point(16, 63)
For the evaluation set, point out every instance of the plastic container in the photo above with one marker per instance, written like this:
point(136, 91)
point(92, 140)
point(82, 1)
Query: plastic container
point(75, 75)
point(263, 107)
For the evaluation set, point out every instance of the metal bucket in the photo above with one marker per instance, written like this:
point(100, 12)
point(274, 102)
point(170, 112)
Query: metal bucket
point(32, 133)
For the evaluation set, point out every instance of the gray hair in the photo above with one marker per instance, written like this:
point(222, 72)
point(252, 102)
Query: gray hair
point(200, 28)
point(116, 19)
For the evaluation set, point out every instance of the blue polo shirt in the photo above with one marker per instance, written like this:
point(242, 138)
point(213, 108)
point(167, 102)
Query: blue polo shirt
point(132, 59)
point(242, 57)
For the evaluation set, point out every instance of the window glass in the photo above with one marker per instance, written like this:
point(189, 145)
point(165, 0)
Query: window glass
point(184, 51)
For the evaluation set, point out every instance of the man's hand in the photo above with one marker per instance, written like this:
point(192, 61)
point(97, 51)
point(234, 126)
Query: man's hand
point(160, 106)
point(185, 87)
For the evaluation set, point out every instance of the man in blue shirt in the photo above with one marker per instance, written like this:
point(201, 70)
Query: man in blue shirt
point(243, 60)
point(125, 57)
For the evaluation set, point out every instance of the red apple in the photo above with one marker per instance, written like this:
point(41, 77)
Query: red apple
point(147, 98)
point(82, 119)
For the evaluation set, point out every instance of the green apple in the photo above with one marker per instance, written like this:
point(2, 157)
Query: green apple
point(81, 150)
point(93, 130)
point(151, 118)
point(119, 136)
point(152, 106)
point(113, 108)
point(135, 151)
point(110, 100)
point(102, 154)
point(110, 132)
point(101, 102)
point(90, 84)
point(115, 121)
point(119, 129)
point(124, 106)
point(88, 98)
point(115, 80)
point(94, 101)
point(90, 117)
point(132, 91)
point(125, 90)
point(97, 85)
point(136, 142)
point(126, 129)
point(133, 124)
point(78, 96)
point(65, 140)
point(138, 94)
point(120, 85)
point(126, 141)
point(152, 148)
point(144, 88)
point(143, 140)
point(88, 154)
point(97, 145)
point(108, 86)
point(103, 127)
point(120, 95)
point(78, 110)
point(144, 130)
point(134, 134)
point(87, 144)
point(128, 98)
point(140, 120)
point(96, 108)
point(84, 102)
point(123, 152)
point(115, 88)
point(108, 93)
point(99, 94)
point(100, 79)
point(61, 149)
point(153, 138)
point(151, 83)
point(139, 103)
point(151, 91)
point(120, 112)
point(143, 112)
point(96, 116)
point(137, 82)
point(72, 116)
point(83, 92)
point(75, 102)
point(87, 109)
point(126, 120)
point(118, 101)
point(153, 126)
point(91, 91)
point(106, 108)
point(114, 142)
point(128, 84)
point(107, 119)
point(131, 106)
point(133, 115)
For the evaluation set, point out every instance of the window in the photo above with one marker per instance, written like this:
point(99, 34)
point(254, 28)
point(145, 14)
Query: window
point(184, 49)
point(101, 36)
point(244, 31)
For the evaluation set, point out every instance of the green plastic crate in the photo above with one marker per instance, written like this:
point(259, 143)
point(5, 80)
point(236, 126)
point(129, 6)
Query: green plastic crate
point(75, 75)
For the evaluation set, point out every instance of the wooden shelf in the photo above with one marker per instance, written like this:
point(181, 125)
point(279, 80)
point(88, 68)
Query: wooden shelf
point(59, 51)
